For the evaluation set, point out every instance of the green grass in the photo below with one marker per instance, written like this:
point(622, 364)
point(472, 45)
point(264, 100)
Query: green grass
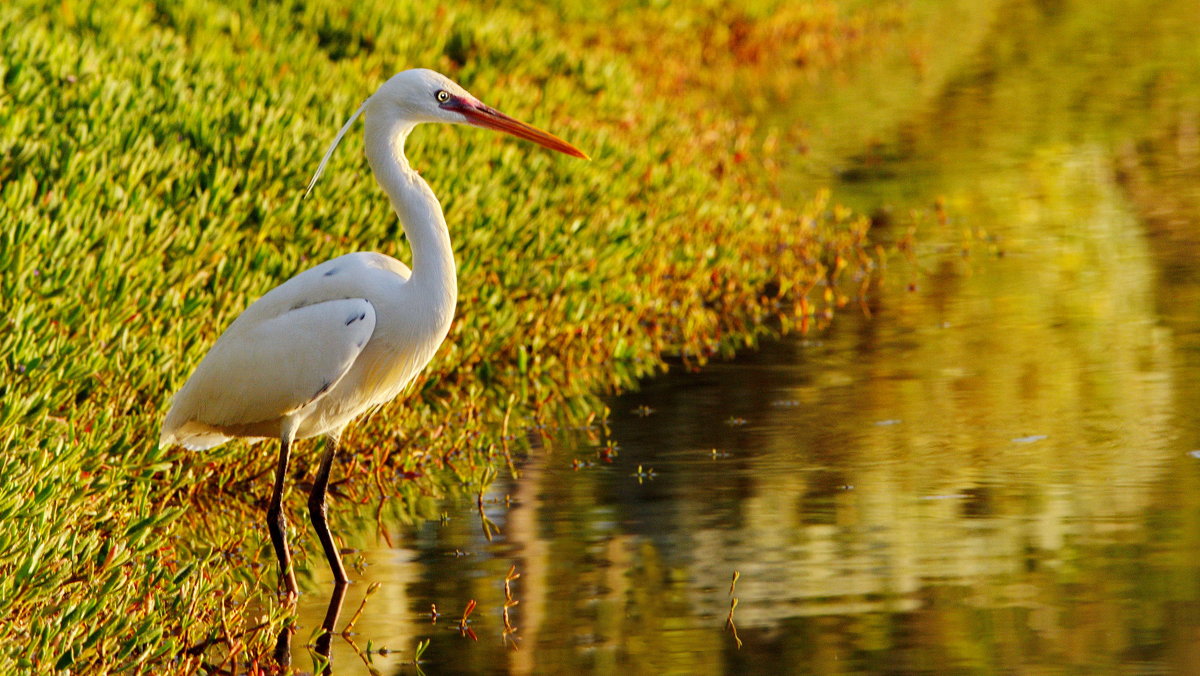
point(152, 161)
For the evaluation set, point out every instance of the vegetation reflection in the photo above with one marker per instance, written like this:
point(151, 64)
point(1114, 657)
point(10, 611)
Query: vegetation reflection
point(992, 475)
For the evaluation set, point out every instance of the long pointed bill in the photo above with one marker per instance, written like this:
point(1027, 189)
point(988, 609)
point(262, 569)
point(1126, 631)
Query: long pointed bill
point(489, 118)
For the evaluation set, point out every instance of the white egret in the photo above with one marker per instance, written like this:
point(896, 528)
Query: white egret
point(347, 335)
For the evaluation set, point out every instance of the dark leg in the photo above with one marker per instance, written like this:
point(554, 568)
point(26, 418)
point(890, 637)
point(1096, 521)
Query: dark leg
point(277, 524)
point(316, 510)
point(324, 641)
point(283, 647)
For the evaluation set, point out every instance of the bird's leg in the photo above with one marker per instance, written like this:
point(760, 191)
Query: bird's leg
point(277, 524)
point(283, 647)
point(316, 510)
point(325, 640)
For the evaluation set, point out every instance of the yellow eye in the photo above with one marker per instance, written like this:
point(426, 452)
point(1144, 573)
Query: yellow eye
point(442, 96)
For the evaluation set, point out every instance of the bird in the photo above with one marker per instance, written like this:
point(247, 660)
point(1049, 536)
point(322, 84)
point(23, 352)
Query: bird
point(347, 335)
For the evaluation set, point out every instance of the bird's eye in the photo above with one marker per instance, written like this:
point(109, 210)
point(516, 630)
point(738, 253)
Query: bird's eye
point(442, 96)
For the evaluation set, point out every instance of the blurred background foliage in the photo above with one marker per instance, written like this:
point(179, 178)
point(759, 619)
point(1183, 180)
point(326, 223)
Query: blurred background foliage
point(152, 158)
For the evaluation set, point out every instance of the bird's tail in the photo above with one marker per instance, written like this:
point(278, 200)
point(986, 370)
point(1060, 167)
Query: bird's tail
point(192, 437)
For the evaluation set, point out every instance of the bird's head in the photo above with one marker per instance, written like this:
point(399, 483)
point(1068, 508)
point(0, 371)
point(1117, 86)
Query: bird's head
point(422, 95)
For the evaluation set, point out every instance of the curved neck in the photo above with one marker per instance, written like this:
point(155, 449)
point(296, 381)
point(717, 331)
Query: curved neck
point(419, 210)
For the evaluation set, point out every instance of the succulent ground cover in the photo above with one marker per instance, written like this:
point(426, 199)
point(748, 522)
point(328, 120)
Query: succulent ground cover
point(152, 163)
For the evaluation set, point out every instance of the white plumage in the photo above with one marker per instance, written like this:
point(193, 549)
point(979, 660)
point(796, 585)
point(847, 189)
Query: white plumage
point(315, 352)
point(347, 335)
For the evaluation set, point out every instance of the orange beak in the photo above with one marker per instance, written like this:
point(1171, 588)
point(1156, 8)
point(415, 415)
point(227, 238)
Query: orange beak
point(489, 118)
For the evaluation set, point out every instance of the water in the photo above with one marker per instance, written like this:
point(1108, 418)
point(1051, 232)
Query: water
point(997, 472)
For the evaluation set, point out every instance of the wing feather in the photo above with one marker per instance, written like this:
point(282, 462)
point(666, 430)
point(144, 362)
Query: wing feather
point(268, 368)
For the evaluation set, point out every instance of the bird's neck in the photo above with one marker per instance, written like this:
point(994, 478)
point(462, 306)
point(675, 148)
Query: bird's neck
point(419, 210)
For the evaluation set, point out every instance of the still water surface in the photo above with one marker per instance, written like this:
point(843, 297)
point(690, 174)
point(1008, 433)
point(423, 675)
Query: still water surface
point(996, 472)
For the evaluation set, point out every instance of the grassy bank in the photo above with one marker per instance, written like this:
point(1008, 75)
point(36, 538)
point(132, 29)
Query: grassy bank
point(154, 156)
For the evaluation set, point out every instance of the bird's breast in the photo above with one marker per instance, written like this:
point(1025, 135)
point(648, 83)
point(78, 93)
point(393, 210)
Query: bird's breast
point(408, 332)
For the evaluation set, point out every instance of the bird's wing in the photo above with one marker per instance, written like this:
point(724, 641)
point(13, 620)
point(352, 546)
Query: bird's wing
point(270, 367)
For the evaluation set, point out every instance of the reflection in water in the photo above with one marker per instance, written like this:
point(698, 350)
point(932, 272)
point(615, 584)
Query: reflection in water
point(283, 647)
point(329, 624)
point(994, 474)
point(322, 647)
